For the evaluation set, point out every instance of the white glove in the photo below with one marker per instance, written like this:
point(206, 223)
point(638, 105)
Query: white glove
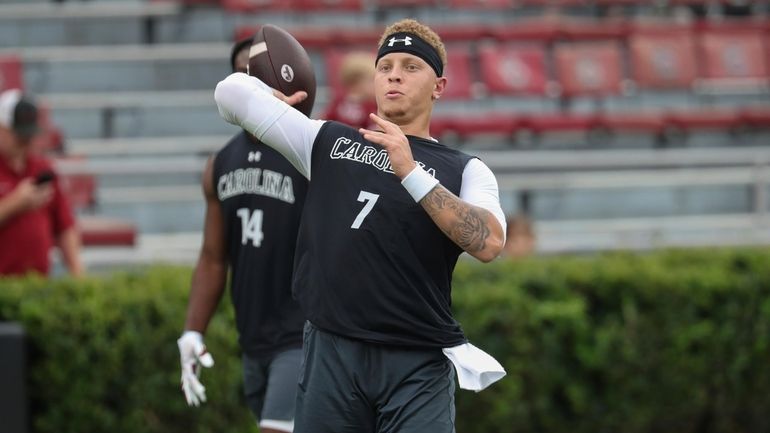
point(193, 354)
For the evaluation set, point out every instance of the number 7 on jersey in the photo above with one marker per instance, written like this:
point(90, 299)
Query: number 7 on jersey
point(369, 199)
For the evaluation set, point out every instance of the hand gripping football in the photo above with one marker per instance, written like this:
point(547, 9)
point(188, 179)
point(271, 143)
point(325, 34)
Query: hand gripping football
point(278, 59)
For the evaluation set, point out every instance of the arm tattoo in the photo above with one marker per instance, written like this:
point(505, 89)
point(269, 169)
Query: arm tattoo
point(468, 227)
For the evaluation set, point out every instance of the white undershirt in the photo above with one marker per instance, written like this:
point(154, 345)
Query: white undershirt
point(246, 101)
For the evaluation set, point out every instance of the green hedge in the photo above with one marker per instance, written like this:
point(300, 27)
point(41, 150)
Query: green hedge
point(103, 355)
point(673, 341)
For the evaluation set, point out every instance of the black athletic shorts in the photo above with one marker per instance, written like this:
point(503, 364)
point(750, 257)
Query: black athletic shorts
point(349, 386)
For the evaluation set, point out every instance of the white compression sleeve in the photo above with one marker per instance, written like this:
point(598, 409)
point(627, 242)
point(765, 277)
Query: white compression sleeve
point(479, 188)
point(249, 103)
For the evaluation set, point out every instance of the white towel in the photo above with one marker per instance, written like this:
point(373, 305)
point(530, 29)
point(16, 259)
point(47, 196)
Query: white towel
point(476, 369)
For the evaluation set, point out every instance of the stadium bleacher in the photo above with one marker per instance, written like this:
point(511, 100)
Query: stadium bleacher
point(534, 84)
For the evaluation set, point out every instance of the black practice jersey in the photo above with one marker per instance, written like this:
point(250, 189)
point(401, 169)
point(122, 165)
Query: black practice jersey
point(261, 196)
point(371, 264)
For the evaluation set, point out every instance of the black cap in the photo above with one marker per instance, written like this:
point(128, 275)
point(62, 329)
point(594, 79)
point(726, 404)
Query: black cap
point(18, 113)
point(25, 119)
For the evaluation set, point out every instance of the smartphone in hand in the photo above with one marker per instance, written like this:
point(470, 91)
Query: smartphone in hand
point(44, 177)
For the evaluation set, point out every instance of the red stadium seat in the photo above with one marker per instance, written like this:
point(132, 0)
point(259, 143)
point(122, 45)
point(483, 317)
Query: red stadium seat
point(463, 32)
point(331, 37)
point(320, 38)
point(465, 127)
point(663, 61)
point(758, 117)
point(619, 2)
point(514, 69)
point(383, 4)
point(632, 122)
point(312, 38)
point(551, 2)
point(480, 4)
point(659, 26)
point(195, 2)
point(544, 123)
point(588, 68)
point(366, 38)
point(101, 231)
point(554, 128)
point(257, 5)
point(734, 55)
point(458, 73)
point(591, 29)
point(703, 119)
point(559, 28)
point(528, 30)
point(11, 73)
point(732, 25)
point(334, 5)
point(767, 49)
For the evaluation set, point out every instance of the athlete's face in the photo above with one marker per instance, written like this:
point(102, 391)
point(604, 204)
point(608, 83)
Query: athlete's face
point(405, 86)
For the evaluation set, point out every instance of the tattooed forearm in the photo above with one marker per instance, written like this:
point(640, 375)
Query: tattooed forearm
point(466, 225)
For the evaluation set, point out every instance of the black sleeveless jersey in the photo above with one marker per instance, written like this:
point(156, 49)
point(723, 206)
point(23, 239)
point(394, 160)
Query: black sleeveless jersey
point(371, 264)
point(261, 196)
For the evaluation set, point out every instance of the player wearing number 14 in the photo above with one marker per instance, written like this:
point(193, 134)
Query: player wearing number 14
point(254, 199)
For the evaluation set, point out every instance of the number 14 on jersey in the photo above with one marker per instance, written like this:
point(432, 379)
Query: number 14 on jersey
point(251, 226)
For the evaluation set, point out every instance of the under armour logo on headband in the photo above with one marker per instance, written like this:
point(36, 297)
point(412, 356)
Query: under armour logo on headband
point(404, 42)
point(407, 41)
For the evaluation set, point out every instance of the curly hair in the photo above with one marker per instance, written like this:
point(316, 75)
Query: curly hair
point(425, 33)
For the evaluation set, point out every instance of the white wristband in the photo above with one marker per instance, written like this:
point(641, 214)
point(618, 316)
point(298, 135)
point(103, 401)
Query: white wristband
point(418, 183)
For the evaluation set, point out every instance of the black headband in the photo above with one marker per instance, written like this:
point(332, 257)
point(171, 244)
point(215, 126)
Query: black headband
point(403, 42)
